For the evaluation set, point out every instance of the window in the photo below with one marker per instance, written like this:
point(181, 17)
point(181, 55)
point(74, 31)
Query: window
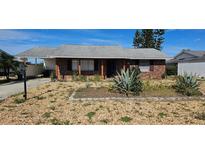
point(75, 65)
point(144, 65)
point(87, 65)
point(133, 63)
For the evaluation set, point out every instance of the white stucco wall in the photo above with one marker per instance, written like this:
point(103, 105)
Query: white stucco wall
point(197, 68)
point(49, 64)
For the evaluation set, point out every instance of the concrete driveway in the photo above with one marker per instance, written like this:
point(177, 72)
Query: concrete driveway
point(16, 87)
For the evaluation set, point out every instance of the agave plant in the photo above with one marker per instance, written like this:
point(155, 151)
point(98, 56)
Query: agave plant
point(127, 81)
point(187, 85)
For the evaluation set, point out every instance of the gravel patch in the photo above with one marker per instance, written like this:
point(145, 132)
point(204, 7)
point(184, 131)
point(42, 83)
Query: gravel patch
point(50, 104)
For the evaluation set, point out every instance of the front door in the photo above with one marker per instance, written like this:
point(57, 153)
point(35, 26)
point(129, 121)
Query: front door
point(111, 68)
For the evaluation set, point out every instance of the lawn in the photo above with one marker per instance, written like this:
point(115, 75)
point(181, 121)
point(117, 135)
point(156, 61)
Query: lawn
point(154, 89)
point(50, 104)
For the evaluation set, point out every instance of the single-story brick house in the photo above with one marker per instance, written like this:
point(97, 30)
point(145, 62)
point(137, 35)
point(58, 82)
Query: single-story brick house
point(98, 60)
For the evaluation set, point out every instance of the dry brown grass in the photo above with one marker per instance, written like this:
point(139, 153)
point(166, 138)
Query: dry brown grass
point(49, 104)
point(202, 87)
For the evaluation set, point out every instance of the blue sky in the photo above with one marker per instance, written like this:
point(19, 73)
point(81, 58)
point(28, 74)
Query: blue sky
point(15, 41)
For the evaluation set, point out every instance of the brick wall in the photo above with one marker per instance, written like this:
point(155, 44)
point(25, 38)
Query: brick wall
point(157, 70)
point(63, 72)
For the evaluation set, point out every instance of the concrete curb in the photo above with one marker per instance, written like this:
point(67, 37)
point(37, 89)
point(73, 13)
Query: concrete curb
point(72, 96)
point(137, 98)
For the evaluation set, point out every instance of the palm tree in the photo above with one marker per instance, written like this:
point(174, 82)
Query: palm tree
point(8, 62)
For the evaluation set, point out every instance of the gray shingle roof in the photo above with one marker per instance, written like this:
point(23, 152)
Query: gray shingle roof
point(2, 51)
point(144, 53)
point(195, 56)
point(196, 53)
point(83, 51)
point(38, 52)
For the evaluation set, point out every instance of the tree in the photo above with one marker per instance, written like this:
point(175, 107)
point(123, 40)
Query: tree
point(137, 41)
point(159, 39)
point(149, 38)
point(7, 62)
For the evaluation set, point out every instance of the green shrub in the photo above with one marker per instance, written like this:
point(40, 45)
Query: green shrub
point(162, 115)
point(96, 78)
point(105, 121)
point(53, 76)
point(200, 116)
point(52, 107)
point(187, 85)
point(90, 115)
point(82, 78)
point(125, 119)
point(19, 100)
point(171, 69)
point(46, 115)
point(127, 81)
point(56, 121)
point(76, 77)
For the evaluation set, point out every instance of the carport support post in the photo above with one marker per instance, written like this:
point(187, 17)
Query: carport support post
point(24, 78)
point(102, 69)
point(79, 68)
point(124, 64)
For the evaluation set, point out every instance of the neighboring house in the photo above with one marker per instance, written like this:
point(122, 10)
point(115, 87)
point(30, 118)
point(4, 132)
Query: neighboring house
point(190, 62)
point(98, 60)
point(1, 69)
point(31, 71)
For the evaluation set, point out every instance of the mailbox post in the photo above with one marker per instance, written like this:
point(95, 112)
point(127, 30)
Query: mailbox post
point(24, 79)
point(23, 72)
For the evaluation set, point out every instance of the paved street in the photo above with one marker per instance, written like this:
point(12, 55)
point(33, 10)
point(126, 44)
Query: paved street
point(12, 88)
